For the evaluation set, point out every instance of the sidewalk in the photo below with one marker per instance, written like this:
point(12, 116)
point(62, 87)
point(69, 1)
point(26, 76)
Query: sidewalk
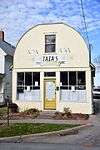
point(32, 137)
point(53, 121)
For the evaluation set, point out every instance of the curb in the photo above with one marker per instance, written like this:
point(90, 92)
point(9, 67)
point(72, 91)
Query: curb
point(70, 131)
point(73, 130)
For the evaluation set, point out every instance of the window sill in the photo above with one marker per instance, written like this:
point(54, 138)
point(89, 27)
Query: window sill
point(25, 101)
point(50, 53)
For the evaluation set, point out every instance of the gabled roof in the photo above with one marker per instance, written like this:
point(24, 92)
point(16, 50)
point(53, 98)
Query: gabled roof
point(7, 48)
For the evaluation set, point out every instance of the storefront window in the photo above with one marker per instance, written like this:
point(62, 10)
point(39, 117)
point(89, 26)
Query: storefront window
point(50, 43)
point(73, 80)
point(28, 84)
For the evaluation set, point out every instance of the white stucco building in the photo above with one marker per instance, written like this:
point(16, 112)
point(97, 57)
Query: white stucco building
point(52, 70)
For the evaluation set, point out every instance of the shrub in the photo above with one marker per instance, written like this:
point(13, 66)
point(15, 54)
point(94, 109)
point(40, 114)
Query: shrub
point(67, 112)
point(13, 108)
point(58, 115)
point(32, 112)
point(86, 116)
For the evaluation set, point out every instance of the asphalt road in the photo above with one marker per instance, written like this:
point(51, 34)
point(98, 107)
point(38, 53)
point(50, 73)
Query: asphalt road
point(44, 146)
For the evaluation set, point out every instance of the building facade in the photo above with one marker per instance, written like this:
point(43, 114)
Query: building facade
point(6, 61)
point(52, 70)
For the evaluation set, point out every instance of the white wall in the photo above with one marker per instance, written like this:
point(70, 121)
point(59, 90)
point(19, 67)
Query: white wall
point(2, 61)
point(66, 39)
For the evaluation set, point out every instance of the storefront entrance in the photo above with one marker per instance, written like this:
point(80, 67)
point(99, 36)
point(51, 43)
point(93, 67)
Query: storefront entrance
point(50, 94)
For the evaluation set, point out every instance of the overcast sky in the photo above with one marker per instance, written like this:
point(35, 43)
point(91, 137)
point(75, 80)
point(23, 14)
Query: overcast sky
point(17, 16)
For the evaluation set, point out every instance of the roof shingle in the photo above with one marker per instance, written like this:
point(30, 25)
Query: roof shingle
point(7, 48)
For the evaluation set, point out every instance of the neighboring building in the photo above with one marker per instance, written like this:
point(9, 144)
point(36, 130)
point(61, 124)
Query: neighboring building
point(52, 70)
point(96, 92)
point(6, 61)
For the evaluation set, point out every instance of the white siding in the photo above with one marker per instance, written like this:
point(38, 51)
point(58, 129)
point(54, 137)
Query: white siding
point(73, 96)
point(8, 77)
point(2, 61)
point(33, 95)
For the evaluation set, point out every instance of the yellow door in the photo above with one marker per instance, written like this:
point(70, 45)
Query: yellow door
point(49, 94)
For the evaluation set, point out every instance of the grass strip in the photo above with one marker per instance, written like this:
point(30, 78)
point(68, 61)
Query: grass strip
point(31, 128)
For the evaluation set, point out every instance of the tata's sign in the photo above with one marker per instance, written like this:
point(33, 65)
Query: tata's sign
point(50, 58)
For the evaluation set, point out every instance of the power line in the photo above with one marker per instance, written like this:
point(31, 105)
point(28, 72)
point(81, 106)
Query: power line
point(84, 19)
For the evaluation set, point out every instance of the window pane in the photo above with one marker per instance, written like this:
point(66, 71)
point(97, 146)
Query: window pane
point(81, 78)
point(63, 80)
point(72, 78)
point(36, 80)
point(20, 82)
point(50, 39)
point(28, 78)
point(49, 74)
point(20, 78)
point(50, 48)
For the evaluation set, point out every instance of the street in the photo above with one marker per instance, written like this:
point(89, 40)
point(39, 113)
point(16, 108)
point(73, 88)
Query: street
point(88, 138)
point(44, 146)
